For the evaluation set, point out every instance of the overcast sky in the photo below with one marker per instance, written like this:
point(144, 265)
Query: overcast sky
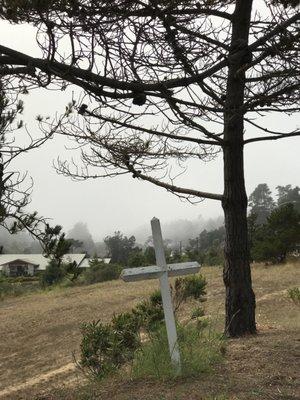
point(124, 203)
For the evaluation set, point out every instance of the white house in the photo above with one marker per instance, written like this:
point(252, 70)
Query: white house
point(30, 264)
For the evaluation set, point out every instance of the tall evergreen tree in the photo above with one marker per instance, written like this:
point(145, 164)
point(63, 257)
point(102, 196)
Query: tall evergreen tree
point(119, 247)
point(261, 203)
point(279, 236)
point(288, 194)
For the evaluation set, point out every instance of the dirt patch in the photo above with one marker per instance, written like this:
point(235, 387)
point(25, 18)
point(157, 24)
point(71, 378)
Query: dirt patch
point(38, 379)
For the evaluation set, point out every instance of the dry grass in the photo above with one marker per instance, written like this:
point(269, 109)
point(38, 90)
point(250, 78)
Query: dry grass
point(39, 333)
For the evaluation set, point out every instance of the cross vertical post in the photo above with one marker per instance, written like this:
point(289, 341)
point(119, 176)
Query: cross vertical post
point(162, 271)
point(166, 295)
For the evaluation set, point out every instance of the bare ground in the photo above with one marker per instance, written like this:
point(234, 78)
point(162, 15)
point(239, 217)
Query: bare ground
point(41, 332)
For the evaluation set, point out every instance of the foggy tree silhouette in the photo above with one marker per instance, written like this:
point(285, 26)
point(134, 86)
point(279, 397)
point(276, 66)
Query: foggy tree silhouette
point(15, 188)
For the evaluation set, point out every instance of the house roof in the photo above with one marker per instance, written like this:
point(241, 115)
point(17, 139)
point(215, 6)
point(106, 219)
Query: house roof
point(86, 262)
point(18, 260)
point(38, 259)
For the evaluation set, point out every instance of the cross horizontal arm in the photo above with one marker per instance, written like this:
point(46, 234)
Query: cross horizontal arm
point(154, 272)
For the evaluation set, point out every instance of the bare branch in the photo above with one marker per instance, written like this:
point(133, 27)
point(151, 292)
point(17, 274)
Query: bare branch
point(260, 139)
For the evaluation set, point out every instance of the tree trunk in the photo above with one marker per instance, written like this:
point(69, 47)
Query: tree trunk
point(240, 299)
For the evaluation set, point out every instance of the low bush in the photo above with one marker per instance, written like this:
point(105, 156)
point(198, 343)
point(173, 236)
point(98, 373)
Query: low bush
point(149, 312)
point(197, 312)
point(294, 294)
point(11, 288)
point(106, 347)
point(53, 274)
point(187, 288)
point(100, 272)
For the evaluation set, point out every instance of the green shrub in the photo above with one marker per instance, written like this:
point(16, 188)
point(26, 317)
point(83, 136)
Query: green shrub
point(213, 256)
point(150, 312)
point(188, 288)
point(279, 236)
point(294, 294)
point(53, 274)
point(100, 272)
point(199, 350)
point(136, 259)
point(97, 348)
point(105, 347)
point(197, 312)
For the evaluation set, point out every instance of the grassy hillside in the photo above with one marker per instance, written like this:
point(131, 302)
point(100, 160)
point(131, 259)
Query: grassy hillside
point(40, 334)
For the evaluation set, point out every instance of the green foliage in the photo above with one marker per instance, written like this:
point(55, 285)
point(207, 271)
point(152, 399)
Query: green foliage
point(214, 256)
point(197, 312)
point(55, 247)
point(55, 244)
point(199, 349)
point(287, 194)
point(149, 255)
point(189, 287)
point(261, 203)
point(136, 259)
point(97, 349)
point(73, 269)
point(177, 256)
point(13, 196)
point(279, 236)
point(5, 287)
point(126, 328)
point(150, 312)
point(101, 272)
point(16, 287)
point(105, 347)
point(120, 247)
point(294, 294)
point(53, 274)
point(207, 248)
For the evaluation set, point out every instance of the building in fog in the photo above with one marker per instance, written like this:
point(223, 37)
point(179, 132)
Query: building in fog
point(30, 264)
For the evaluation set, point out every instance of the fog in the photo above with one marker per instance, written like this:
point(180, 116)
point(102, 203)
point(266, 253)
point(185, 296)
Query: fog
point(123, 203)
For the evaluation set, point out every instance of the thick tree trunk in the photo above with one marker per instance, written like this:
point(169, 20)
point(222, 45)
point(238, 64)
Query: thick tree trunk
point(240, 299)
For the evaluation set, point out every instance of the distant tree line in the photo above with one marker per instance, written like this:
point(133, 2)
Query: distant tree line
point(273, 231)
point(273, 228)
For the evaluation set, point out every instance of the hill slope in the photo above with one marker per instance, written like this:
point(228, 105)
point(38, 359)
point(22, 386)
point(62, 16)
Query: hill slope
point(40, 333)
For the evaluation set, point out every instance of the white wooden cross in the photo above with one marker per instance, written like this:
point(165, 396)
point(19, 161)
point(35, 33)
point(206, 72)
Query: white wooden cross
point(163, 271)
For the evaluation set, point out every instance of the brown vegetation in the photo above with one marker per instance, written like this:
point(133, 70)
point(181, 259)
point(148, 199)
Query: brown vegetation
point(41, 331)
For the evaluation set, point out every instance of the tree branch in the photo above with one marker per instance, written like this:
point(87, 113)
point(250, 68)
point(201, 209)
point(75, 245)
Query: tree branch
point(153, 132)
point(260, 139)
point(173, 188)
